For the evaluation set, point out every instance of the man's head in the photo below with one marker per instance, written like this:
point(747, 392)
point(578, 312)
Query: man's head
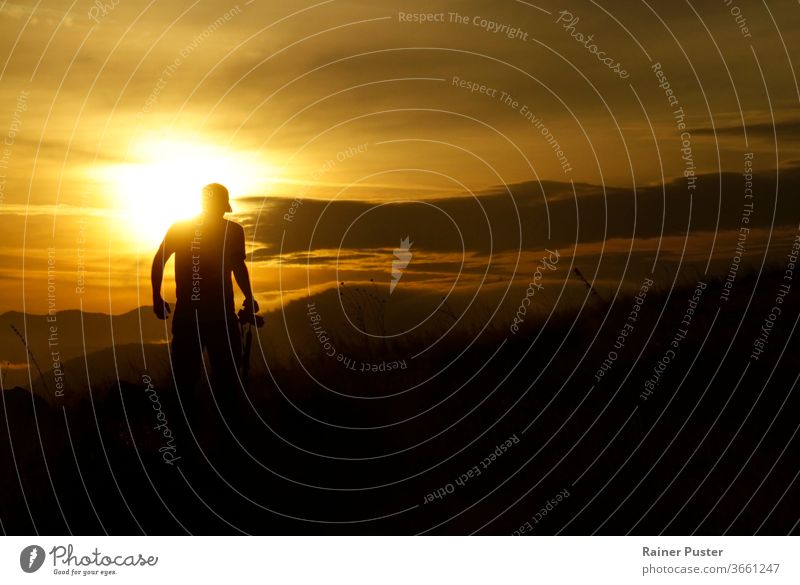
point(215, 199)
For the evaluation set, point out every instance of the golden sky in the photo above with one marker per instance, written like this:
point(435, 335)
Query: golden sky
point(484, 130)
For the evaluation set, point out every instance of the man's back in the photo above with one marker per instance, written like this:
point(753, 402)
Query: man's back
point(206, 249)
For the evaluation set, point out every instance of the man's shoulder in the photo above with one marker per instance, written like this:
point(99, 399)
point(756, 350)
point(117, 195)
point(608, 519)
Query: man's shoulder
point(233, 224)
point(233, 227)
point(182, 226)
point(177, 232)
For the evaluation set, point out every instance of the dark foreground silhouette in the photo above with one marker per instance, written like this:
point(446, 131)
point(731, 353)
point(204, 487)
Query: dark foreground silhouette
point(596, 456)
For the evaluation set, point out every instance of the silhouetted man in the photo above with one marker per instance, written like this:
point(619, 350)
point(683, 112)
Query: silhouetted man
point(208, 249)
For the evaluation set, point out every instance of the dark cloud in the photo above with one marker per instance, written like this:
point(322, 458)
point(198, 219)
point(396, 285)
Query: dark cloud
point(518, 218)
point(785, 130)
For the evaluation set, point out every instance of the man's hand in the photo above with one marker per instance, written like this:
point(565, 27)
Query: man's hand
point(160, 308)
point(251, 305)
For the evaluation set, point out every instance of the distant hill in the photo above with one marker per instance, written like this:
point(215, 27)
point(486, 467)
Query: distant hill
point(85, 341)
point(75, 334)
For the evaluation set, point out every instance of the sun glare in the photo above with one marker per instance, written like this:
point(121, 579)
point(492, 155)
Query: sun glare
point(163, 183)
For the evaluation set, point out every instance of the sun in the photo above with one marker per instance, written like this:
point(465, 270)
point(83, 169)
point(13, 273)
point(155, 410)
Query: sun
point(163, 182)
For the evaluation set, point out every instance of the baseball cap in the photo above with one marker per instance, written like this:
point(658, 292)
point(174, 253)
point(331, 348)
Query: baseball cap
point(216, 195)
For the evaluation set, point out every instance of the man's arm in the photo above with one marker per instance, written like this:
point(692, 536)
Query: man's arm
point(160, 308)
point(241, 274)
